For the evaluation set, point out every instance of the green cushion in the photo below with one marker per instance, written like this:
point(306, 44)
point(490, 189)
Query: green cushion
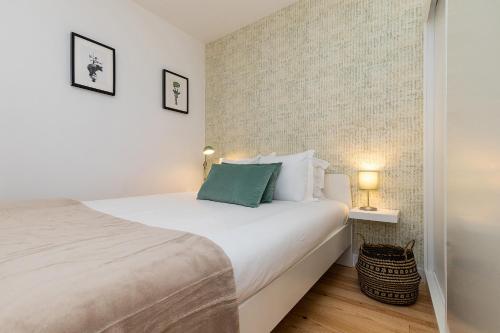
point(241, 184)
point(271, 185)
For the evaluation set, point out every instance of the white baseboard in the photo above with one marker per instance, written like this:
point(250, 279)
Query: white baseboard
point(348, 258)
point(438, 300)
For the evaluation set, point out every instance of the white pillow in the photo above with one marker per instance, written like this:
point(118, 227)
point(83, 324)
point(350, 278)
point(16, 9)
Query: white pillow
point(320, 167)
point(254, 160)
point(295, 181)
point(270, 154)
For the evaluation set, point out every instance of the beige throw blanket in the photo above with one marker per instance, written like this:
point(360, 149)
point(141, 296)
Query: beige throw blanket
point(67, 268)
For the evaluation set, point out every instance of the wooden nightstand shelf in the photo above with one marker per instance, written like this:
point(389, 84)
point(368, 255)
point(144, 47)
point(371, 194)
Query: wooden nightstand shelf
point(380, 215)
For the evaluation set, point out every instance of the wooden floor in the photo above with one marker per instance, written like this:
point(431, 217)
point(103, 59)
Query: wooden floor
point(335, 304)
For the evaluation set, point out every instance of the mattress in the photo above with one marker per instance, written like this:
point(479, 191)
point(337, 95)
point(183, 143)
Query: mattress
point(261, 243)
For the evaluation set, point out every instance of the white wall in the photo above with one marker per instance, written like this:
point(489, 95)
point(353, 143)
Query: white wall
point(57, 140)
point(473, 121)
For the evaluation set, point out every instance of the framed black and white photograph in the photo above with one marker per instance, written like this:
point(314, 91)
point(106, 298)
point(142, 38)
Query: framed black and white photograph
point(92, 65)
point(175, 92)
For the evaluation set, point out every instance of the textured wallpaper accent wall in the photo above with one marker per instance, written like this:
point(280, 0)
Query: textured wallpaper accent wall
point(343, 77)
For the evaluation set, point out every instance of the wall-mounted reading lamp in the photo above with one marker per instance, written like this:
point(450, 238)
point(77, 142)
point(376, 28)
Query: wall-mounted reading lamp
point(207, 151)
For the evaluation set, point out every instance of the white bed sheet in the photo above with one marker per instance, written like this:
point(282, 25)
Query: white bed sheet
point(261, 243)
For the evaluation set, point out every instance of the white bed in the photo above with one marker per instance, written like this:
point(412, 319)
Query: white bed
point(265, 244)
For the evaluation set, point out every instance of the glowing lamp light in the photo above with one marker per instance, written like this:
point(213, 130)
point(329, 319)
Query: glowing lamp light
point(368, 180)
point(208, 150)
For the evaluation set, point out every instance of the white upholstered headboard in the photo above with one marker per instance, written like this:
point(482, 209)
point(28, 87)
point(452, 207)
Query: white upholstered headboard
point(338, 187)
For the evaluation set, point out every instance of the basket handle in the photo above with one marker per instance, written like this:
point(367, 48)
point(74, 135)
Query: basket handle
point(363, 239)
point(409, 247)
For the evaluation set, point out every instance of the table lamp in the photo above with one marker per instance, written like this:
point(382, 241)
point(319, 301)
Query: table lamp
point(368, 180)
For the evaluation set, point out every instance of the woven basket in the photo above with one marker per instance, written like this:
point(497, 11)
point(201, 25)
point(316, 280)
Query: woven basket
point(388, 273)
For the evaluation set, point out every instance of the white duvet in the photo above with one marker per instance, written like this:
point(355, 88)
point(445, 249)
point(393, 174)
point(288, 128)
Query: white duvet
point(261, 243)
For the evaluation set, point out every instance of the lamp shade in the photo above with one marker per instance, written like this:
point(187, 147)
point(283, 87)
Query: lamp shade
point(208, 150)
point(368, 180)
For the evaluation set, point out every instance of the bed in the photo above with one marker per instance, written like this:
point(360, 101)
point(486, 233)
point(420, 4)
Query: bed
point(107, 265)
point(277, 251)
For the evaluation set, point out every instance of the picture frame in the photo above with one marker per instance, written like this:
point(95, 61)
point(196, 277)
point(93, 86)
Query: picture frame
point(93, 65)
point(175, 92)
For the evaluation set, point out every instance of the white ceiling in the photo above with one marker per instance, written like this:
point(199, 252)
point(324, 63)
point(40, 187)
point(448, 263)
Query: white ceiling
point(208, 20)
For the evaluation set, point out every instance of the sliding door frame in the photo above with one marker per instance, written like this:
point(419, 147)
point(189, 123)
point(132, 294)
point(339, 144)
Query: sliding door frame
point(432, 52)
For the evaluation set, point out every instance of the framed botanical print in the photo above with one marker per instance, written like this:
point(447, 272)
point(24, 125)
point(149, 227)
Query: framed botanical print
point(175, 92)
point(92, 65)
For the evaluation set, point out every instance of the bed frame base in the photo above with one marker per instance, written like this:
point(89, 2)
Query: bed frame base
point(263, 311)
